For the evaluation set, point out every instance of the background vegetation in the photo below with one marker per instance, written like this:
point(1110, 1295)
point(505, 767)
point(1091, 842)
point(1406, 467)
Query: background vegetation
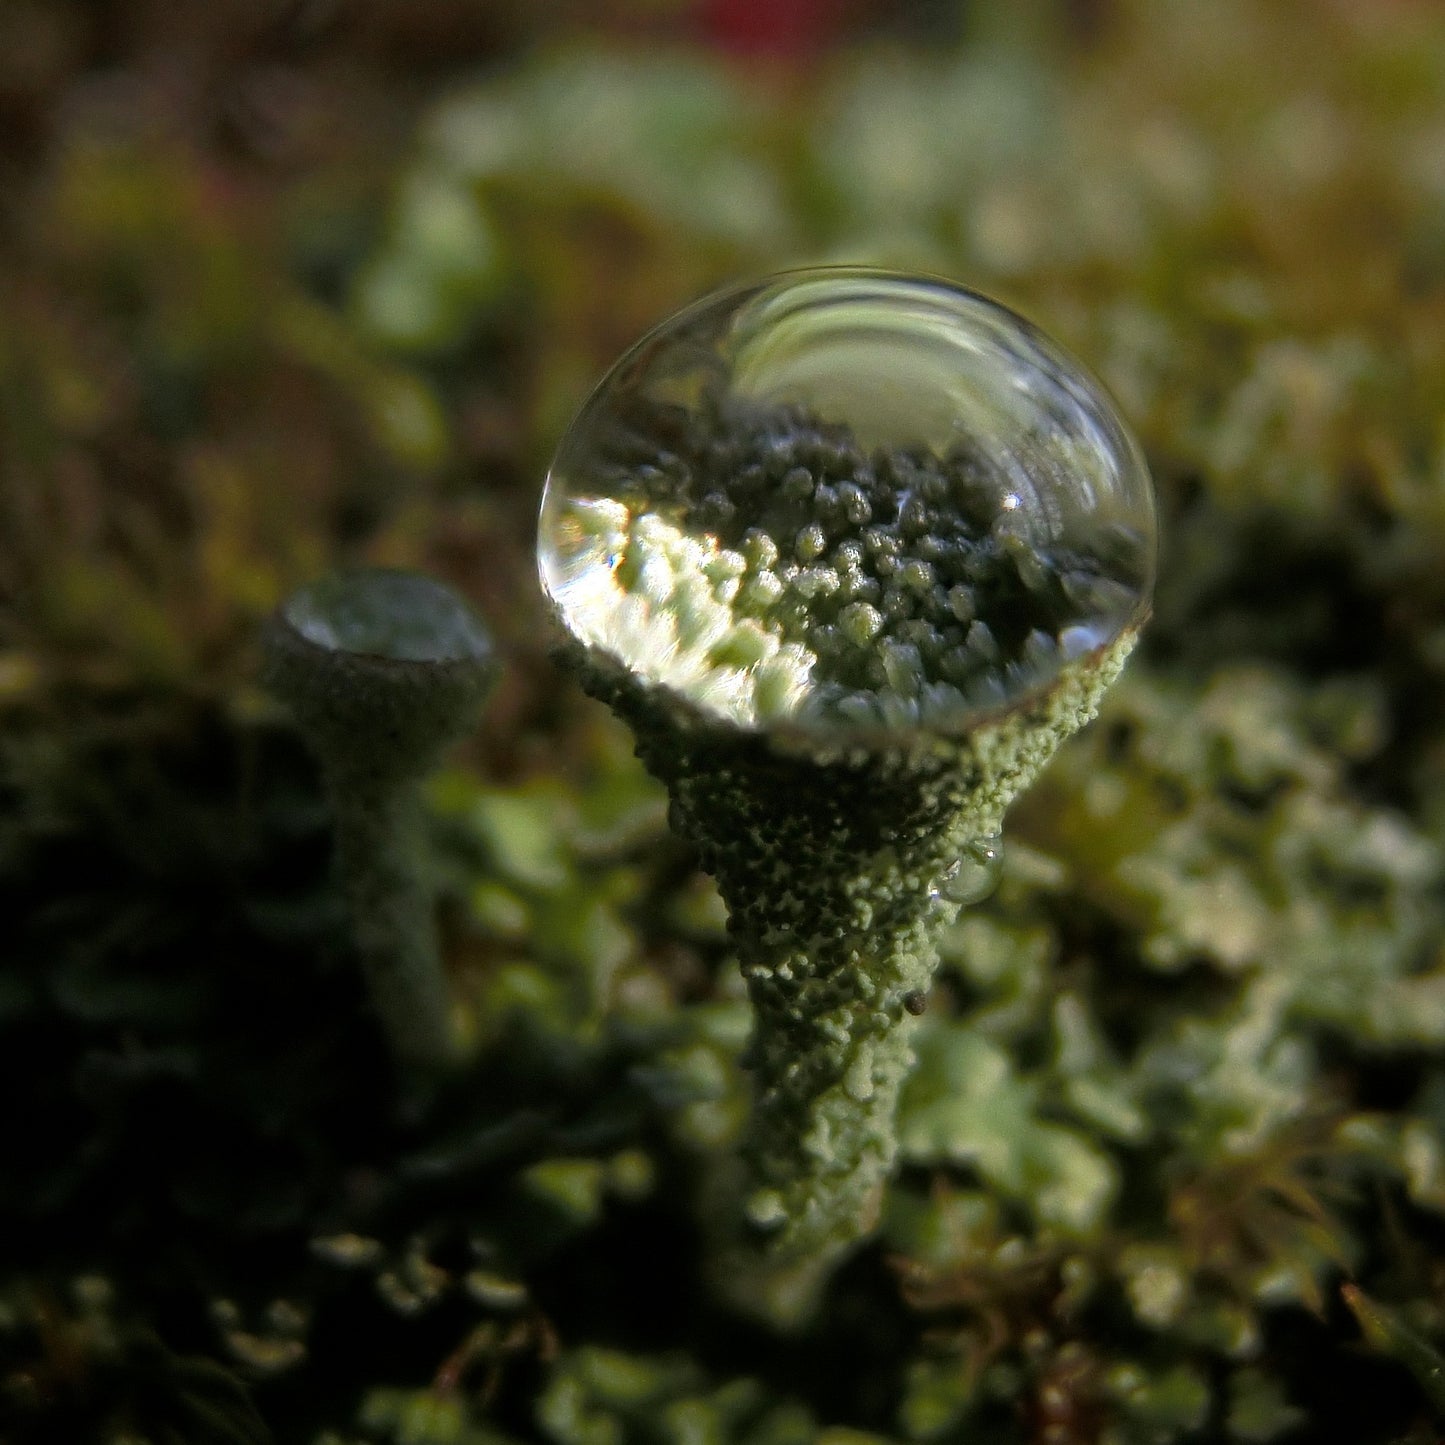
point(291, 284)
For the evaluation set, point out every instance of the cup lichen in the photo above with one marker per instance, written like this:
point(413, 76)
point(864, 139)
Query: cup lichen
point(383, 671)
point(852, 553)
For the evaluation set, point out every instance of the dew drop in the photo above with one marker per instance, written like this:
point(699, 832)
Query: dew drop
point(765, 1210)
point(973, 875)
point(835, 437)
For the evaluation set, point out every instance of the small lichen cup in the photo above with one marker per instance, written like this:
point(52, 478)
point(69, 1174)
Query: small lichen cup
point(852, 553)
point(383, 671)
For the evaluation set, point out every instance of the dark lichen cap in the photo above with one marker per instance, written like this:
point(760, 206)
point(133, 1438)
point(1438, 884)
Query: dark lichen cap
point(849, 506)
point(383, 669)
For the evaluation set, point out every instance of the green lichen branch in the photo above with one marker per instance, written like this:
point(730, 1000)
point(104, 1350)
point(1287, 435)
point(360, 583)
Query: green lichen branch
point(845, 643)
point(834, 868)
point(383, 671)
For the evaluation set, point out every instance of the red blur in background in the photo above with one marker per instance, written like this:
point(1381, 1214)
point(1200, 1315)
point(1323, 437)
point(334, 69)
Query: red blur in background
point(780, 29)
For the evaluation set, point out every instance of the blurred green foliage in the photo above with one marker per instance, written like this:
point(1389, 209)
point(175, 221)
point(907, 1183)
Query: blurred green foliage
point(1175, 1149)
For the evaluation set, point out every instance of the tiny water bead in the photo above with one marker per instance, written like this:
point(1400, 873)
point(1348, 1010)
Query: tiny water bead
point(973, 875)
point(848, 501)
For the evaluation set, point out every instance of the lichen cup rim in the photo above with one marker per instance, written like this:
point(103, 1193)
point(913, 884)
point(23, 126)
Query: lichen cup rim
point(383, 670)
point(369, 711)
point(460, 622)
point(800, 287)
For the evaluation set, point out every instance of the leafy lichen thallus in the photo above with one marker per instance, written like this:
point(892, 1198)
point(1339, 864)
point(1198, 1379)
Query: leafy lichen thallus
point(852, 553)
point(383, 671)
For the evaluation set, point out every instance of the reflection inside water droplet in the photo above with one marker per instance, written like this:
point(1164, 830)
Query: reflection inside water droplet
point(974, 874)
point(850, 502)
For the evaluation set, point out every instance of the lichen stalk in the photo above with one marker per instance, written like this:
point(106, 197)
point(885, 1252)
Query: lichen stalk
point(383, 671)
point(852, 553)
point(831, 865)
point(381, 844)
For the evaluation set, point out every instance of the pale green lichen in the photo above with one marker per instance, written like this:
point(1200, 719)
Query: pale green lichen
point(384, 670)
point(846, 635)
point(831, 868)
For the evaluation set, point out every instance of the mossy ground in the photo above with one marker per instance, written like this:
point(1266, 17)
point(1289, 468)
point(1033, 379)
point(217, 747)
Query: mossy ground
point(296, 291)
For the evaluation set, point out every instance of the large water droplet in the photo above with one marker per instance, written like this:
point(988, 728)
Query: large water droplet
point(806, 501)
point(974, 874)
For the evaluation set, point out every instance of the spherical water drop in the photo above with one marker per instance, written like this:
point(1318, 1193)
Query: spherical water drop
point(856, 437)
